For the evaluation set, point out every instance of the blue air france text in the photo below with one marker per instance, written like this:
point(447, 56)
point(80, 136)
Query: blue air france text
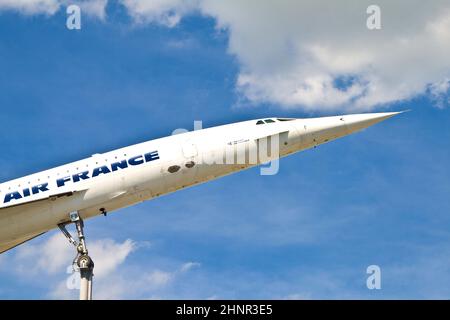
point(84, 175)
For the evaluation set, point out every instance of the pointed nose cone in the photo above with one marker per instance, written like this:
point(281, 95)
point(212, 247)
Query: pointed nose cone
point(356, 122)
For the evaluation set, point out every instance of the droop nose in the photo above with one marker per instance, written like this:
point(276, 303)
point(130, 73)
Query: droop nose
point(356, 122)
point(315, 131)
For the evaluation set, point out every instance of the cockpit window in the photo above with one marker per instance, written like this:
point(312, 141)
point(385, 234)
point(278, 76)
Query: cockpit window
point(268, 121)
point(285, 119)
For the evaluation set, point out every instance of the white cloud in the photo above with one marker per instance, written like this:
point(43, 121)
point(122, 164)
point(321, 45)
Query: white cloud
point(94, 8)
point(55, 254)
point(295, 53)
point(60, 292)
point(189, 266)
point(165, 12)
point(30, 7)
point(312, 54)
point(439, 92)
point(158, 278)
point(108, 255)
point(47, 262)
point(48, 257)
point(292, 52)
point(141, 282)
point(315, 47)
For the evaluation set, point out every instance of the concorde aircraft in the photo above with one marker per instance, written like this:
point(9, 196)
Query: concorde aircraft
point(102, 183)
point(35, 204)
point(69, 194)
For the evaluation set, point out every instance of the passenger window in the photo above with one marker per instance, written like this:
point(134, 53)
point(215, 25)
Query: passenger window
point(260, 122)
point(173, 169)
point(269, 121)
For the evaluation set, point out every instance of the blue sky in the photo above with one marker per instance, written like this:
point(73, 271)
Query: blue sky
point(377, 197)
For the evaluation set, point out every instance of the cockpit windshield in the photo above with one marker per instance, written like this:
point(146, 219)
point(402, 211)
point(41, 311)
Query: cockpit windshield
point(273, 121)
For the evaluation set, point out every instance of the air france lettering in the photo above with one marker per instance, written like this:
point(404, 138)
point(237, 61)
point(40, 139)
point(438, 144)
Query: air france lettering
point(85, 175)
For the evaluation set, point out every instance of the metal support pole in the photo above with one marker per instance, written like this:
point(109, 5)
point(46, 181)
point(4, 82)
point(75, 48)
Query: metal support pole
point(86, 281)
point(82, 260)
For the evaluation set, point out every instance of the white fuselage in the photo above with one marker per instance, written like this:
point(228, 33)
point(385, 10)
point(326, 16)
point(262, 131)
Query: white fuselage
point(39, 202)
